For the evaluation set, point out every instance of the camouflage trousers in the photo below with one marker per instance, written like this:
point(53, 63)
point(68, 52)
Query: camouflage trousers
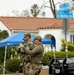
point(32, 69)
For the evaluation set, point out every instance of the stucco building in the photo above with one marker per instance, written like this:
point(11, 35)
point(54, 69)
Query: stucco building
point(49, 28)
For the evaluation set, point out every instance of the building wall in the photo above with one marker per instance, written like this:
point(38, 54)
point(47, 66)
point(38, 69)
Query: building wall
point(70, 32)
point(33, 32)
point(57, 33)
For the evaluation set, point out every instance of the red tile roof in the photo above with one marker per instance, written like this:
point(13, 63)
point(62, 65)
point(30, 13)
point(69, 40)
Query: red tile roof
point(26, 23)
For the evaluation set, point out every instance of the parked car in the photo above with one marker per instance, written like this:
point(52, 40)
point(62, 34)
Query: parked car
point(60, 66)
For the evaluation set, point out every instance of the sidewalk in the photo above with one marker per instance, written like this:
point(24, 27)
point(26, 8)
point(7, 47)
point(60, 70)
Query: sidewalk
point(13, 74)
point(43, 72)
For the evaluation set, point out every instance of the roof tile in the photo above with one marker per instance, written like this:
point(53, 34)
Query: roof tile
point(30, 23)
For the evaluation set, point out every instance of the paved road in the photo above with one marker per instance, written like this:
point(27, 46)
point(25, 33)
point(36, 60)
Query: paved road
point(43, 72)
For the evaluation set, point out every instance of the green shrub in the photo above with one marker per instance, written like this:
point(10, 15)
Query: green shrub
point(10, 50)
point(46, 58)
point(13, 64)
point(68, 43)
point(60, 54)
point(71, 54)
point(48, 55)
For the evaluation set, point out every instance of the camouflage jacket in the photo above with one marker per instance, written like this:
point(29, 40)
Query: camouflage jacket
point(36, 53)
point(29, 45)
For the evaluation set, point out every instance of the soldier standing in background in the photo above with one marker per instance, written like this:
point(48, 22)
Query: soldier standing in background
point(35, 65)
point(27, 44)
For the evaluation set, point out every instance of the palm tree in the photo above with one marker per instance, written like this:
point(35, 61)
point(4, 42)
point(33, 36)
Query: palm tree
point(35, 10)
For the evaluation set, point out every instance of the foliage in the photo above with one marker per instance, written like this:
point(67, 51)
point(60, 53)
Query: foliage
point(68, 44)
point(46, 58)
point(10, 50)
point(3, 34)
point(48, 55)
point(12, 65)
point(25, 13)
point(35, 10)
point(2, 54)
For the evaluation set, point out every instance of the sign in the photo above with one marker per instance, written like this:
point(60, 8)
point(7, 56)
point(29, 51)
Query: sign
point(64, 11)
point(64, 14)
point(64, 6)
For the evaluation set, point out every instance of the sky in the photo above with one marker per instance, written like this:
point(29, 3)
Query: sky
point(7, 6)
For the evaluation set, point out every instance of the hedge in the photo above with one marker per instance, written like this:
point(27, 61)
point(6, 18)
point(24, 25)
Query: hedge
point(12, 65)
point(48, 55)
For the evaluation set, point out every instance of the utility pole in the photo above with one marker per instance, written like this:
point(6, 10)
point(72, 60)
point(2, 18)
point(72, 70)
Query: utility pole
point(65, 26)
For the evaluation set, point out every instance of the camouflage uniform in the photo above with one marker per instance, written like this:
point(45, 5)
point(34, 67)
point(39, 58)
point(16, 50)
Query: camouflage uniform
point(35, 65)
point(29, 45)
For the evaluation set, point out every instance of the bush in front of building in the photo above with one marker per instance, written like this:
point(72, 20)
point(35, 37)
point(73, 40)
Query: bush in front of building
point(48, 55)
point(12, 65)
point(46, 58)
point(68, 44)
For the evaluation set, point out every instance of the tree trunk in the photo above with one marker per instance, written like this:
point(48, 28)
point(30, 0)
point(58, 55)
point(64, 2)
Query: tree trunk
point(52, 6)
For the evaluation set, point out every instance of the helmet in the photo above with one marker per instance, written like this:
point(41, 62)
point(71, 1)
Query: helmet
point(27, 34)
point(37, 38)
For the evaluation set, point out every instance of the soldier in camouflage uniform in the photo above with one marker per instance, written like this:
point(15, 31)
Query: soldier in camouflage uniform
point(28, 44)
point(35, 65)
